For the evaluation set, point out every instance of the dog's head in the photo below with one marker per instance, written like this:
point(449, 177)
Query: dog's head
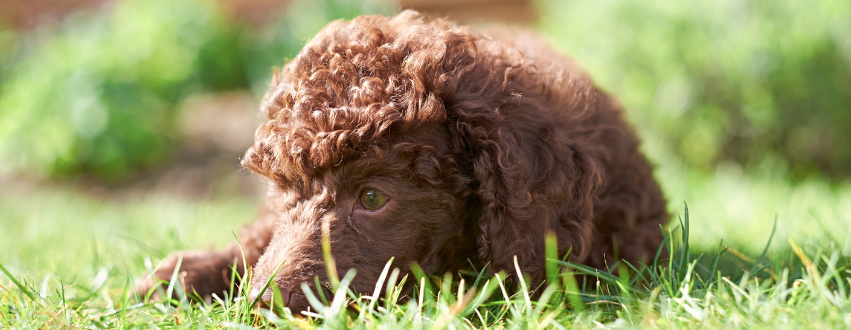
point(417, 140)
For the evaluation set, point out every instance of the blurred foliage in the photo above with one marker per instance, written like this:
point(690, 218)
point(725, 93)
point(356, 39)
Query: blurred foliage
point(99, 93)
point(707, 82)
point(721, 81)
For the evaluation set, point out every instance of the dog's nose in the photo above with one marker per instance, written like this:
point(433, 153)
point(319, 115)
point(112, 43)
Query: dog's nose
point(267, 295)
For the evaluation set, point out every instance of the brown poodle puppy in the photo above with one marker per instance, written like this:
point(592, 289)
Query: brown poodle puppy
point(434, 144)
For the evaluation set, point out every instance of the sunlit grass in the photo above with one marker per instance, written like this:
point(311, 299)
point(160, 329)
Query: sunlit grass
point(67, 286)
point(755, 250)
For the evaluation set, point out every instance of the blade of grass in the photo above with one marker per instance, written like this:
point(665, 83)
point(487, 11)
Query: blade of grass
point(379, 284)
point(233, 276)
point(65, 304)
point(571, 288)
point(122, 313)
point(18, 284)
point(311, 298)
point(266, 286)
point(721, 250)
point(445, 292)
point(685, 255)
point(391, 284)
point(552, 267)
point(608, 278)
point(808, 263)
point(246, 271)
point(173, 280)
point(340, 294)
point(330, 265)
point(425, 283)
point(479, 276)
point(523, 287)
point(321, 293)
point(758, 261)
point(488, 289)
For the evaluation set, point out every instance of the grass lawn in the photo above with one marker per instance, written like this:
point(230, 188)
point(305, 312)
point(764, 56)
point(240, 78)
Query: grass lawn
point(69, 260)
point(752, 250)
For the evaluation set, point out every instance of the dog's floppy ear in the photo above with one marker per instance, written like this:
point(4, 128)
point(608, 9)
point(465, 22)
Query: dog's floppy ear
point(530, 178)
point(530, 175)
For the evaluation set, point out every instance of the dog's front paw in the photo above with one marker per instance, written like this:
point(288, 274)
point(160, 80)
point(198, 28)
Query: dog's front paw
point(199, 274)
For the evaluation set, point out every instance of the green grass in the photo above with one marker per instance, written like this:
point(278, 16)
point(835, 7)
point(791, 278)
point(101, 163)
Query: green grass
point(760, 250)
point(70, 259)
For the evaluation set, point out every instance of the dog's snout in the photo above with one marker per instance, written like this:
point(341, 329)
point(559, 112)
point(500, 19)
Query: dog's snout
point(267, 296)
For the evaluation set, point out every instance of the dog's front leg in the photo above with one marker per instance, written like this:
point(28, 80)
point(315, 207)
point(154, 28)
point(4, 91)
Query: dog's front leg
point(205, 272)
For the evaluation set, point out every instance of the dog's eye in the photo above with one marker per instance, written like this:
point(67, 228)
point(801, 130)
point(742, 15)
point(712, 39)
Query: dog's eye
point(373, 200)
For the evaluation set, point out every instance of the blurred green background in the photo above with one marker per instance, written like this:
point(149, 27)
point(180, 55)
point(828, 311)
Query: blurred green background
point(99, 92)
point(126, 109)
point(734, 81)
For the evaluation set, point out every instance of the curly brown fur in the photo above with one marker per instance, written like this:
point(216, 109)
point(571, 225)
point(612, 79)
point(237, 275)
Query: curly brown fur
point(483, 143)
